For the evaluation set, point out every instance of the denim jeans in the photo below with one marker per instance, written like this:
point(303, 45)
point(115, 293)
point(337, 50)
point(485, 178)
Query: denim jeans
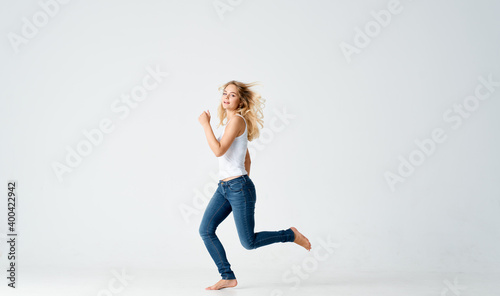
point(236, 195)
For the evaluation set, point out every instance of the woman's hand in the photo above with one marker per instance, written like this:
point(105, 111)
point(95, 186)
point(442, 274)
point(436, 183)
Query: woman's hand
point(204, 118)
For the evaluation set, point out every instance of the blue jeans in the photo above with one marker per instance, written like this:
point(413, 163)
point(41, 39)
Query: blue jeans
point(236, 195)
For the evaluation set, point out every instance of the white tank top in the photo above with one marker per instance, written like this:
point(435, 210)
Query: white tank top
point(232, 163)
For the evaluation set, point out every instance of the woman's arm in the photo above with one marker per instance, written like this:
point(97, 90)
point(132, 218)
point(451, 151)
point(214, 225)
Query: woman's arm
point(212, 141)
point(247, 163)
point(230, 132)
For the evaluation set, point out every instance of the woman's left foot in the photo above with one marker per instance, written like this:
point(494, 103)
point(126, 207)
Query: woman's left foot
point(223, 284)
point(300, 239)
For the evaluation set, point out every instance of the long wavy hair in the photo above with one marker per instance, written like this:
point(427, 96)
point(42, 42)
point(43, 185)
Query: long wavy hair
point(251, 109)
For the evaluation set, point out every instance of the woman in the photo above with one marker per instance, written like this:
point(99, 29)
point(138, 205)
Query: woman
point(236, 191)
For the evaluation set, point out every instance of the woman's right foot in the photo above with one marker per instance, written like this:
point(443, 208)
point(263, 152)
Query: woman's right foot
point(300, 239)
point(223, 284)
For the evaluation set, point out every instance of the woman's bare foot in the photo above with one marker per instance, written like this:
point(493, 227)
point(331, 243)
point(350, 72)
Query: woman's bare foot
point(223, 284)
point(300, 239)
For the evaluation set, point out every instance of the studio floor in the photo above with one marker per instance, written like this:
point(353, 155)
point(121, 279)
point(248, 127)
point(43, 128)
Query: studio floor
point(117, 281)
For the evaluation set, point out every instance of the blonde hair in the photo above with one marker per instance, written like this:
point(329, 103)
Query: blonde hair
point(251, 110)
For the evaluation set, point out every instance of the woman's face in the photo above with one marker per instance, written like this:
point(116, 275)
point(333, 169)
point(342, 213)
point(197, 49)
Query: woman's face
point(230, 99)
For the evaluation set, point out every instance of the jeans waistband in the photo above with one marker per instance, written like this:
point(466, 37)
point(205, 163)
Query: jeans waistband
point(243, 178)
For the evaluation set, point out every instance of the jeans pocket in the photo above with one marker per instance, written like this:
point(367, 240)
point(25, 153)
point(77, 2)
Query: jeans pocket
point(235, 186)
point(252, 197)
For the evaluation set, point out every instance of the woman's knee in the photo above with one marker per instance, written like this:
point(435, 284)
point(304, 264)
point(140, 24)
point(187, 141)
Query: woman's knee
point(202, 230)
point(205, 231)
point(248, 243)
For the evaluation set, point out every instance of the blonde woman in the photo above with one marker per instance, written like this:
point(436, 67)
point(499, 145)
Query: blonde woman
point(236, 192)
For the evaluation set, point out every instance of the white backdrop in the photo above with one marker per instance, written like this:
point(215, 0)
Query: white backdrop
point(380, 140)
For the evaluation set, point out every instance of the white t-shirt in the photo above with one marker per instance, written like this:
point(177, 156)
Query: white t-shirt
point(232, 163)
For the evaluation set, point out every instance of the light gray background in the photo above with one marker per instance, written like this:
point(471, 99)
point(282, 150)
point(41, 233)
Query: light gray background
point(322, 172)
